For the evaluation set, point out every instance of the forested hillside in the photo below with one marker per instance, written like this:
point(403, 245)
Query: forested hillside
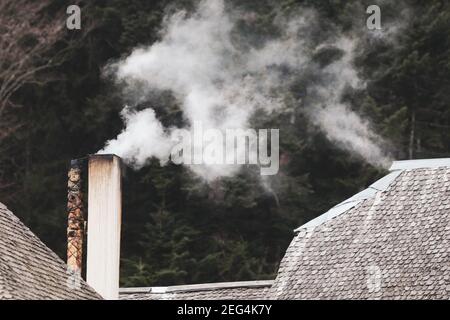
point(56, 104)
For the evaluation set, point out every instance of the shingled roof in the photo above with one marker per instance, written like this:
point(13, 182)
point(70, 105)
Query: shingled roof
point(29, 269)
point(239, 290)
point(391, 241)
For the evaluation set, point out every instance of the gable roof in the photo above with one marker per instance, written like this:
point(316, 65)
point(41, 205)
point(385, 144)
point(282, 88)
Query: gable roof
point(29, 269)
point(390, 241)
point(239, 290)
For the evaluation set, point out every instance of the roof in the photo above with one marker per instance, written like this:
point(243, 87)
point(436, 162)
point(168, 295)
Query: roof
point(391, 241)
point(29, 269)
point(239, 290)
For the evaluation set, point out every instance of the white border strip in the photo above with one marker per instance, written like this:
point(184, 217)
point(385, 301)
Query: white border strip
point(421, 163)
point(199, 287)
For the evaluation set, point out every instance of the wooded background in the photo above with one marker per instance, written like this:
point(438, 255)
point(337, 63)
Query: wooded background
point(55, 106)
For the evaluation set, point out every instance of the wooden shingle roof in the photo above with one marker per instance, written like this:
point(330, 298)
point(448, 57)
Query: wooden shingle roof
point(29, 269)
point(385, 244)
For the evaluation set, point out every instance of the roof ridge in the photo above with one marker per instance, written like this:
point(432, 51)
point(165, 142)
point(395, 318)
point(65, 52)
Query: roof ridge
point(198, 287)
point(380, 185)
point(420, 164)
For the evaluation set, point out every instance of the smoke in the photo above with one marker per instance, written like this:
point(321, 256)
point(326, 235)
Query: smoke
point(340, 124)
point(143, 138)
point(220, 82)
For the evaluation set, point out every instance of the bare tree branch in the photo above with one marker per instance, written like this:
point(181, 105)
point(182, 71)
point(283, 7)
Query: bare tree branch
point(27, 34)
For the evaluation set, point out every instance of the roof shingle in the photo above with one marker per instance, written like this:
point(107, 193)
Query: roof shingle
point(29, 269)
point(394, 245)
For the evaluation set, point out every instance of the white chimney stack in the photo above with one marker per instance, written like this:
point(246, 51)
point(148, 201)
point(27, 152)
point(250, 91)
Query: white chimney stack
point(104, 224)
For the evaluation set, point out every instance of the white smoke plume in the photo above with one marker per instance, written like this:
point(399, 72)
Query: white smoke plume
point(340, 124)
point(143, 138)
point(221, 85)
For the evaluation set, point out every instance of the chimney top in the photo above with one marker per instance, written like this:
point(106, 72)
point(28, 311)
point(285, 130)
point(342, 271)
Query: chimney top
point(104, 224)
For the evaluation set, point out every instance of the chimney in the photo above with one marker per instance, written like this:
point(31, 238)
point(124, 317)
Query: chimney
point(104, 224)
point(75, 219)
